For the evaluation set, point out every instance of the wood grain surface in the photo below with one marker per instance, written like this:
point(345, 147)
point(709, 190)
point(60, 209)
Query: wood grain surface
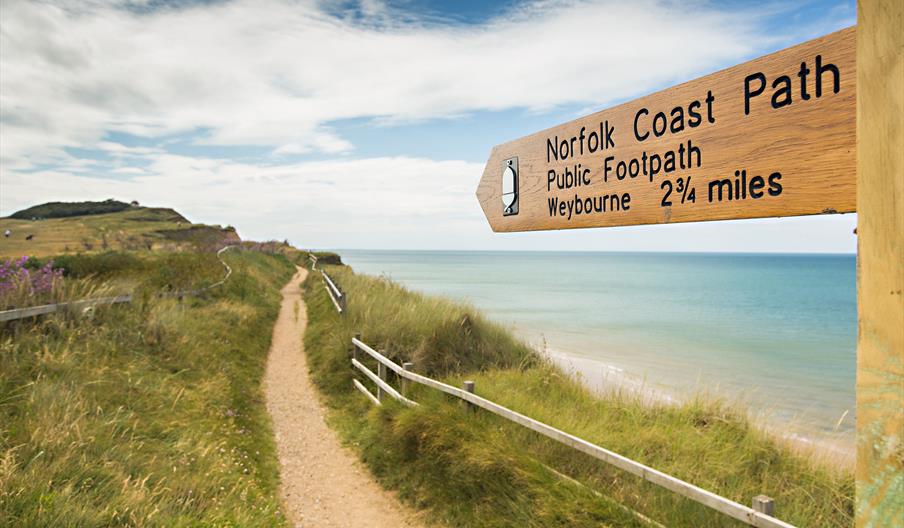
point(880, 263)
point(810, 142)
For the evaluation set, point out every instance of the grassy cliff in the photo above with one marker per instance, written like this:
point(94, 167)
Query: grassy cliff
point(476, 469)
point(145, 414)
point(90, 227)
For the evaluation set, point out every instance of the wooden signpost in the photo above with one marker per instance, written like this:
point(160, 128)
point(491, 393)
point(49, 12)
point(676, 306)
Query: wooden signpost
point(770, 137)
point(813, 129)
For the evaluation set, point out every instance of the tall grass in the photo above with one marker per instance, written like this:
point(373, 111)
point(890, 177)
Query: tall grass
point(146, 414)
point(480, 470)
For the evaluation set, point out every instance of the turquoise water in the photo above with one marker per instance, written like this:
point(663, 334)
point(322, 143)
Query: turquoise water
point(775, 331)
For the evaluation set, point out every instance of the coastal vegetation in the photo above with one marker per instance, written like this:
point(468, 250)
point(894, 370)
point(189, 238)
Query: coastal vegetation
point(475, 469)
point(148, 413)
point(151, 413)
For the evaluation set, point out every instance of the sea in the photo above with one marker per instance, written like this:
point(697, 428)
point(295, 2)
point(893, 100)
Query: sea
point(773, 333)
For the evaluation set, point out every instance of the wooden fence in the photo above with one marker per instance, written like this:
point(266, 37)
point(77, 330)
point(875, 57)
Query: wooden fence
point(184, 293)
point(339, 298)
point(32, 311)
point(760, 515)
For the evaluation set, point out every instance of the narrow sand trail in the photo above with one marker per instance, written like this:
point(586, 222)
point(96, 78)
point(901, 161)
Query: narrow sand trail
point(322, 483)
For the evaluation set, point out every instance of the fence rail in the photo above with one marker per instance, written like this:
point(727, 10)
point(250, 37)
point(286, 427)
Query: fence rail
point(339, 298)
point(750, 516)
point(32, 311)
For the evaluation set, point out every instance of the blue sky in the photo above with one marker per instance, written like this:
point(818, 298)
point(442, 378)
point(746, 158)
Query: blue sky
point(358, 124)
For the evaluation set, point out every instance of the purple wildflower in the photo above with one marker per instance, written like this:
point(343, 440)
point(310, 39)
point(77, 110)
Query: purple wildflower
point(18, 283)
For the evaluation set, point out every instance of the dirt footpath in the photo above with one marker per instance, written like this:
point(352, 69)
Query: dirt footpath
point(322, 483)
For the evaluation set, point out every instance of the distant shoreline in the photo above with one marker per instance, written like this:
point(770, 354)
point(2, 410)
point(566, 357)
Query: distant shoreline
point(771, 336)
point(604, 252)
point(837, 451)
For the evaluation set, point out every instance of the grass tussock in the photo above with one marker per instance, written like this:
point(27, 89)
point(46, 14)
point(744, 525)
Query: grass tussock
point(476, 469)
point(146, 414)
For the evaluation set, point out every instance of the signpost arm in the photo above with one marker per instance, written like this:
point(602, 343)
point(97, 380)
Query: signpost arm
point(880, 261)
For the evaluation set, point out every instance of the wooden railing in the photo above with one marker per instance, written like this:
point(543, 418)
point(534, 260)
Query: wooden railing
point(32, 311)
point(339, 298)
point(759, 516)
point(185, 293)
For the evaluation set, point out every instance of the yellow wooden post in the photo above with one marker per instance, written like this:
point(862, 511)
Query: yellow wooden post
point(880, 263)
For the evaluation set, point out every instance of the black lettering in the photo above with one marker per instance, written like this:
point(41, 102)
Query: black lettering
point(709, 107)
point(836, 81)
point(677, 124)
point(610, 143)
point(804, 71)
point(775, 188)
point(551, 150)
point(550, 178)
point(785, 90)
point(642, 111)
point(665, 199)
point(756, 184)
point(669, 161)
point(694, 117)
point(655, 165)
point(606, 168)
point(750, 94)
point(659, 118)
point(719, 185)
point(691, 150)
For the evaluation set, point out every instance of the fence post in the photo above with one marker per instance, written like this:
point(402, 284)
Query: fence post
point(342, 302)
point(469, 387)
point(381, 372)
point(764, 504)
point(406, 366)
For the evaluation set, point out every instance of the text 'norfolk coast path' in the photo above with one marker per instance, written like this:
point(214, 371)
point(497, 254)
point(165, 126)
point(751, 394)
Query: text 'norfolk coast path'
point(771, 137)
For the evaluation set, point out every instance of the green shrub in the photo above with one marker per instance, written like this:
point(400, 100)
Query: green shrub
point(66, 209)
point(327, 258)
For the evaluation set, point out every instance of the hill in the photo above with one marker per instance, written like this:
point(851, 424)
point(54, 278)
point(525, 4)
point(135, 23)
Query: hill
point(84, 227)
point(65, 209)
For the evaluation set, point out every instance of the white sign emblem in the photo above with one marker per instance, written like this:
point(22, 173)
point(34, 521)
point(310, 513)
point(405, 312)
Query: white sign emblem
point(510, 187)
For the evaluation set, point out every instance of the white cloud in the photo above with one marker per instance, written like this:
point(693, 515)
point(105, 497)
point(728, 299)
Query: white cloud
point(271, 72)
point(392, 202)
point(310, 202)
point(277, 74)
